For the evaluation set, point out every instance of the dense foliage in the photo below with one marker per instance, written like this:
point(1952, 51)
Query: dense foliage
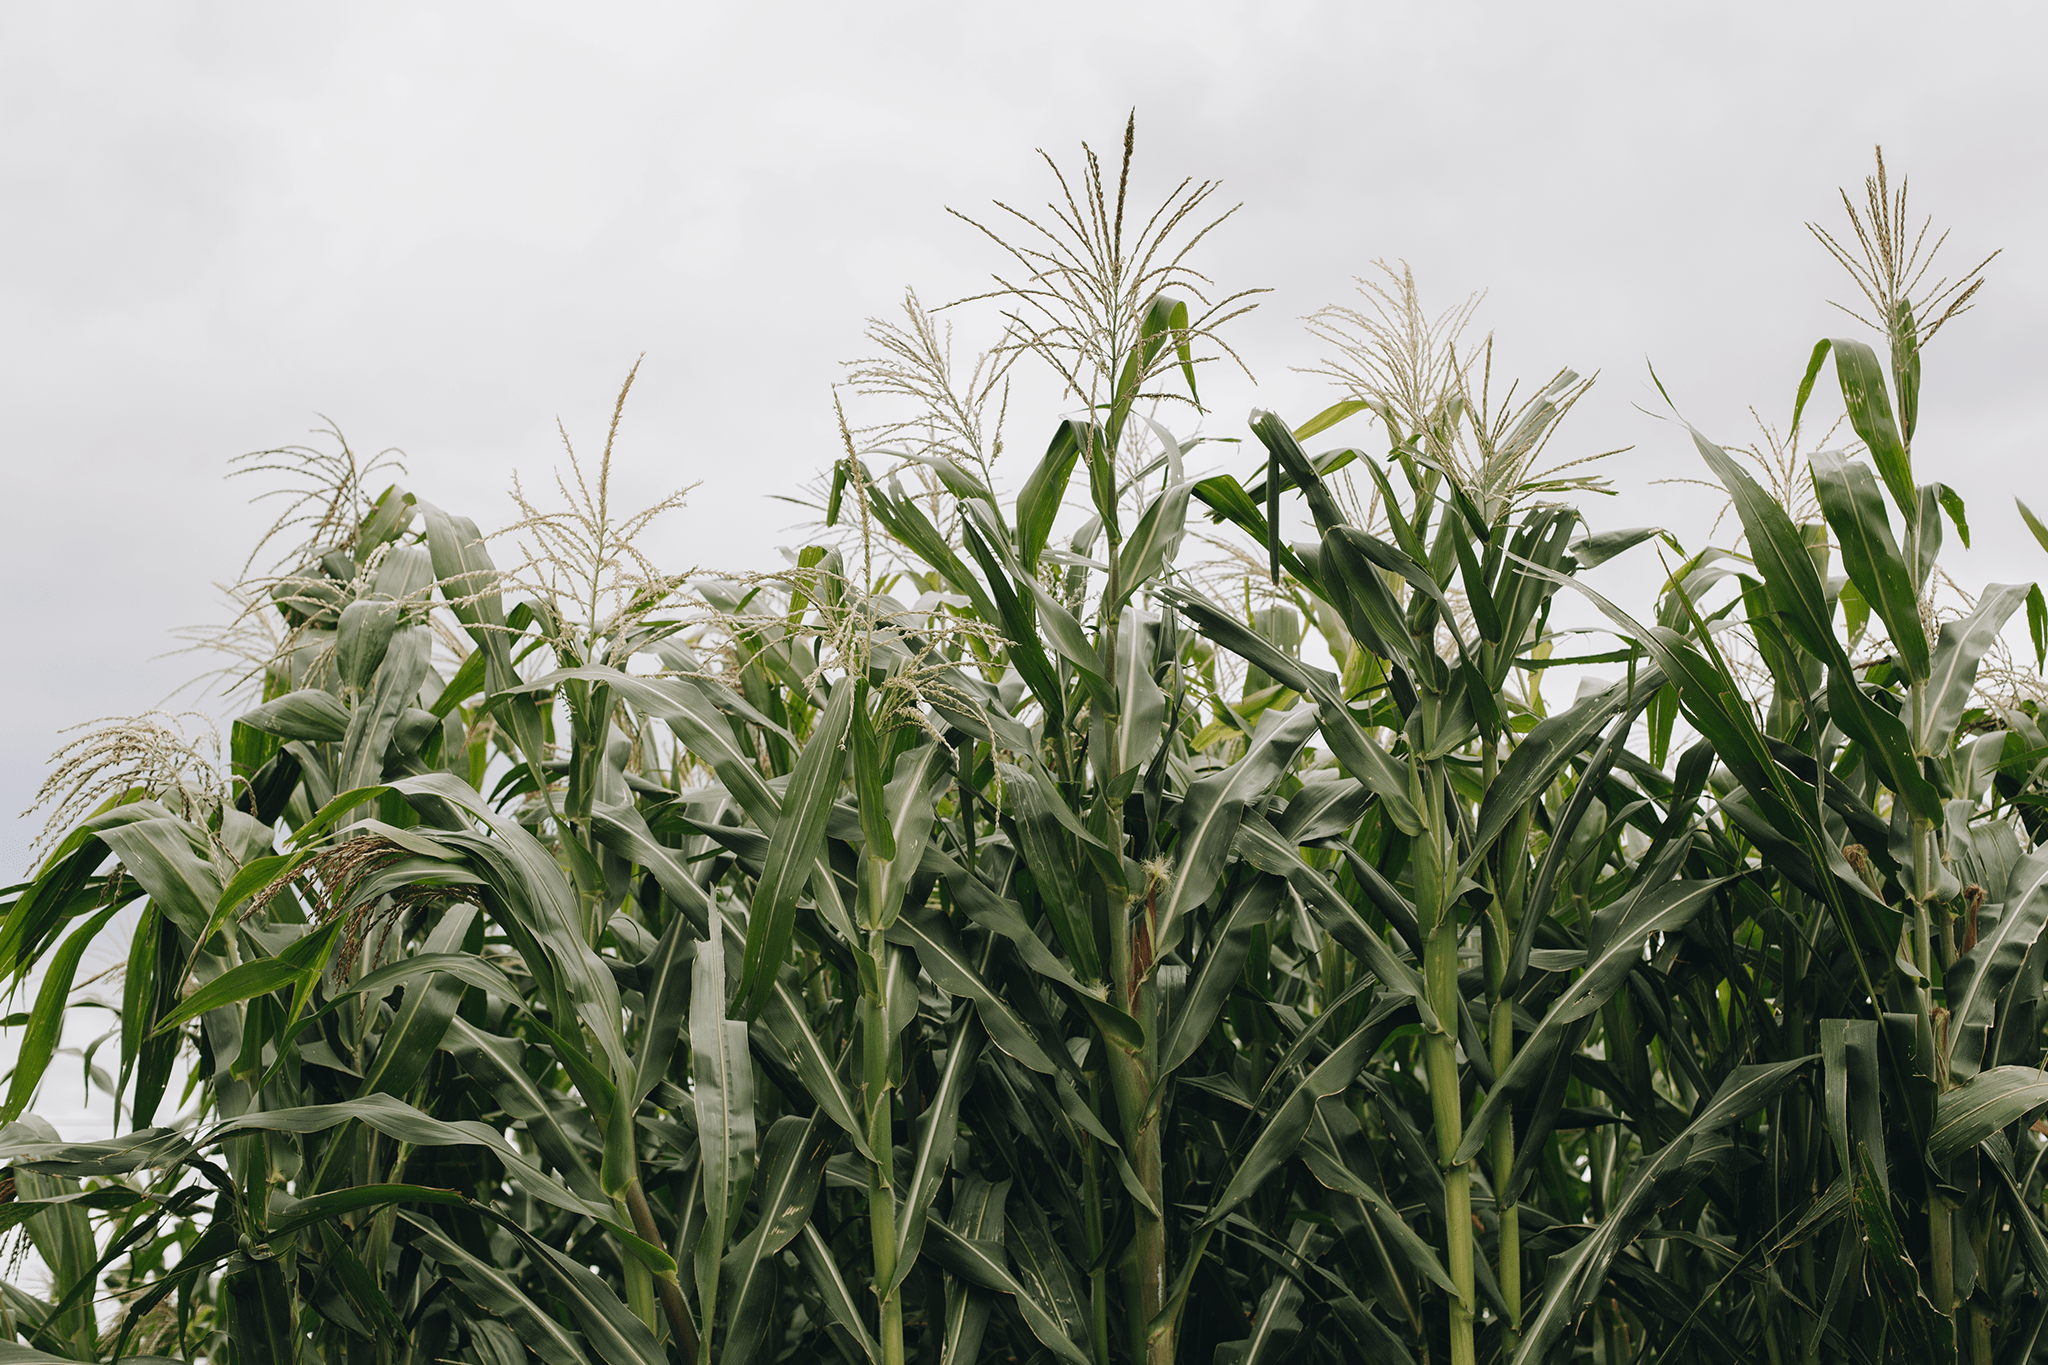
point(997, 937)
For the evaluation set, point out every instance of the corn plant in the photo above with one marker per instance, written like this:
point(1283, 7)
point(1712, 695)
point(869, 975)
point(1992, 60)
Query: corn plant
point(999, 936)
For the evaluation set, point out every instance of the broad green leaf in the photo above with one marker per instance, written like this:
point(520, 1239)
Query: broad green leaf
point(312, 714)
point(1141, 719)
point(2037, 625)
point(1594, 550)
point(361, 638)
point(421, 1021)
point(939, 1131)
point(683, 706)
point(2033, 523)
point(1038, 502)
point(396, 1119)
point(926, 933)
point(838, 492)
point(467, 968)
point(1326, 1149)
point(1849, 1059)
point(1980, 1106)
point(500, 1294)
point(1351, 568)
point(665, 976)
point(1361, 758)
point(1478, 595)
point(1227, 500)
point(1544, 751)
point(1214, 807)
point(622, 829)
point(1330, 416)
point(1576, 1275)
point(1952, 503)
point(977, 1218)
point(792, 1167)
point(1814, 362)
point(256, 1312)
point(307, 955)
point(539, 907)
point(1264, 849)
point(168, 858)
point(254, 876)
point(1870, 413)
point(1283, 1129)
point(1911, 1319)
point(1218, 971)
point(46, 1021)
point(1044, 826)
point(1779, 551)
point(1660, 910)
point(334, 1203)
point(1153, 542)
point(840, 1306)
point(1371, 1338)
point(868, 778)
point(1300, 470)
point(467, 682)
point(1850, 500)
point(498, 1064)
point(609, 1327)
point(395, 687)
point(1977, 978)
point(908, 523)
point(1043, 1279)
point(958, 481)
point(1003, 917)
point(1017, 615)
point(982, 1262)
point(908, 812)
point(722, 1077)
point(1957, 652)
point(1065, 633)
point(787, 1022)
point(143, 987)
point(794, 848)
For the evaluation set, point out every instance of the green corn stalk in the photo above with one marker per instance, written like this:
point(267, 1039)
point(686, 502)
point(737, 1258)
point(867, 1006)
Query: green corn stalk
point(983, 979)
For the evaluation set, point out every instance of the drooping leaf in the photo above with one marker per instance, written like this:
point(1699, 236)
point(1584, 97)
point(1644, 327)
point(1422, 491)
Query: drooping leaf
point(46, 1019)
point(939, 953)
point(1283, 1130)
point(312, 714)
point(1980, 1106)
point(1680, 1163)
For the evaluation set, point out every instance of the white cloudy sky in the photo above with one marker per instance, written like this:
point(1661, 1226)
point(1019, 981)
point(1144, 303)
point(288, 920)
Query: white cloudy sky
point(446, 226)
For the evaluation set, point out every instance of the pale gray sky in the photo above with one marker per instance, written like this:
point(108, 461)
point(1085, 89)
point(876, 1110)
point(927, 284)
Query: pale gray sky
point(446, 225)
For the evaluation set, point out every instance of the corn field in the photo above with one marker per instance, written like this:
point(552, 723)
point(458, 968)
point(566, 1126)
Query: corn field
point(1005, 935)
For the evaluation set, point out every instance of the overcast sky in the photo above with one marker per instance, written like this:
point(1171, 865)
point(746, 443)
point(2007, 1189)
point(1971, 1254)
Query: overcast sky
point(445, 226)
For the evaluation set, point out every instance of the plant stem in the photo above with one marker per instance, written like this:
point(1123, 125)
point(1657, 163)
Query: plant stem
point(881, 1171)
point(1440, 981)
point(1131, 1075)
point(1498, 944)
point(1502, 1142)
point(1940, 1224)
point(666, 1288)
point(1098, 1274)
